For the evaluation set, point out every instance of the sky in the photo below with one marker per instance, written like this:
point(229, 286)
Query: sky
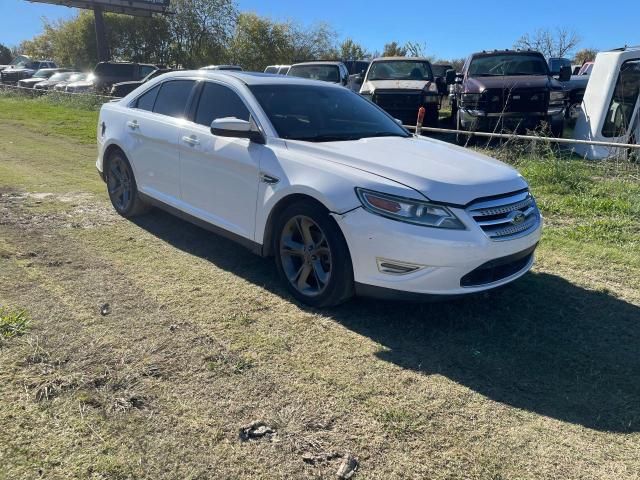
point(453, 30)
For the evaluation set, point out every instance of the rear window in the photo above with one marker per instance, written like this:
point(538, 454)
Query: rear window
point(173, 97)
point(508, 64)
point(326, 73)
point(115, 69)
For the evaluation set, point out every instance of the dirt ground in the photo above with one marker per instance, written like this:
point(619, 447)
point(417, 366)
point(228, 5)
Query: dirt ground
point(537, 380)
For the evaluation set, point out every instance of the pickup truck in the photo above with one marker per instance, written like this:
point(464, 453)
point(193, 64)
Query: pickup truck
point(401, 85)
point(508, 90)
point(25, 69)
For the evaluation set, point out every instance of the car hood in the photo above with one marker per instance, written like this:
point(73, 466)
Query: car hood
point(479, 84)
point(371, 85)
point(441, 171)
point(33, 80)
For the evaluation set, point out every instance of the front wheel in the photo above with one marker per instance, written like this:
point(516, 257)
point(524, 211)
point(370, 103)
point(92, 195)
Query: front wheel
point(312, 256)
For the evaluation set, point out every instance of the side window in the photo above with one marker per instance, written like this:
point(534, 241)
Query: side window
point(173, 97)
point(218, 101)
point(147, 99)
point(623, 101)
point(146, 70)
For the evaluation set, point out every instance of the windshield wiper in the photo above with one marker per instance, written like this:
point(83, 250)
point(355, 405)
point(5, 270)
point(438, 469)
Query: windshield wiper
point(326, 138)
point(385, 134)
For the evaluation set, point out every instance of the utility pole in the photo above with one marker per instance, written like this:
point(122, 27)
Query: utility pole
point(101, 35)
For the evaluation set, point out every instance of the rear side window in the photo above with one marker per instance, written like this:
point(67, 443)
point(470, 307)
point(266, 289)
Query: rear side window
point(147, 99)
point(173, 97)
point(218, 101)
point(146, 70)
point(271, 70)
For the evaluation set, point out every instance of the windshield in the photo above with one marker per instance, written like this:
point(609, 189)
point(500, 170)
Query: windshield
point(326, 73)
point(323, 114)
point(555, 64)
point(76, 77)
point(507, 64)
point(59, 77)
point(43, 74)
point(400, 70)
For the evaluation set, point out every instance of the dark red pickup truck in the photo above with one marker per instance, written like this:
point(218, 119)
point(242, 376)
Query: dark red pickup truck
point(506, 90)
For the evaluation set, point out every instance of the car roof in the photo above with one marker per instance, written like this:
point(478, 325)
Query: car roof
point(404, 59)
point(248, 78)
point(321, 62)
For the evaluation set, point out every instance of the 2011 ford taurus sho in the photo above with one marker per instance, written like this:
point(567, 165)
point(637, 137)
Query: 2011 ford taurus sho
point(346, 200)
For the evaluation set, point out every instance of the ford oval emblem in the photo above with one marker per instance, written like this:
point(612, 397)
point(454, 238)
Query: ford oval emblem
point(518, 218)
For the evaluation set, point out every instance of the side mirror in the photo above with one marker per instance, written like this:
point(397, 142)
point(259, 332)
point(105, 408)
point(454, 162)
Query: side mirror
point(236, 128)
point(565, 73)
point(459, 78)
point(450, 77)
point(398, 121)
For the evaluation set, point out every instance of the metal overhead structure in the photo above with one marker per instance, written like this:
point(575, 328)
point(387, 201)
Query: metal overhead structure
point(138, 8)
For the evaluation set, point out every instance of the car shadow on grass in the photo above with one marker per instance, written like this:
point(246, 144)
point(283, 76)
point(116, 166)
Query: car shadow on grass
point(541, 344)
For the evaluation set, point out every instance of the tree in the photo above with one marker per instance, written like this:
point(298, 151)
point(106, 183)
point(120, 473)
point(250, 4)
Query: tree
point(415, 49)
point(200, 31)
point(258, 42)
point(558, 43)
point(350, 50)
point(585, 55)
point(5, 55)
point(393, 49)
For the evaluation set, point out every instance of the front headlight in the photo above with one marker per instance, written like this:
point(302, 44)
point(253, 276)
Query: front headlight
point(557, 96)
point(408, 210)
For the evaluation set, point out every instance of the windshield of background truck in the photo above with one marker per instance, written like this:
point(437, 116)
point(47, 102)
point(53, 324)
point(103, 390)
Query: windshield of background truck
point(507, 64)
point(400, 70)
point(326, 73)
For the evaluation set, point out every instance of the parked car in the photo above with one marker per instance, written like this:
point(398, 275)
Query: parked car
point(611, 102)
point(222, 67)
point(344, 198)
point(508, 90)
point(74, 78)
point(60, 77)
point(586, 68)
point(556, 63)
point(86, 85)
point(277, 69)
point(15, 73)
point(401, 85)
point(20, 59)
point(440, 74)
point(107, 73)
point(357, 70)
point(40, 76)
point(122, 89)
point(332, 72)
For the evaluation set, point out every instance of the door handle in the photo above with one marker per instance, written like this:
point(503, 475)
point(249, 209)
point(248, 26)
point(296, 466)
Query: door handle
point(191, 140)
point(133, 124)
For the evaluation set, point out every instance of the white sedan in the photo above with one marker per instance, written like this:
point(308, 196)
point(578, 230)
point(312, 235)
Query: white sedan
point(346, 200)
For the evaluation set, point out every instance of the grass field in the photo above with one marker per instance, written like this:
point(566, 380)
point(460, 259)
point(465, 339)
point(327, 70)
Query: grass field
point(538, 380)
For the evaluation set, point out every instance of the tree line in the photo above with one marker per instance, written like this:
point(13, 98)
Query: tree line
point(205, 32)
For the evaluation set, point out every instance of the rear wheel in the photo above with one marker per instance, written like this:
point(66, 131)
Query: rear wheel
point(312, 256)
point(122, 187)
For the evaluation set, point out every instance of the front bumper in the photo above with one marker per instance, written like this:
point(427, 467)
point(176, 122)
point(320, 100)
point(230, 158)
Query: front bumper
point(452, 262)
point(478, 120)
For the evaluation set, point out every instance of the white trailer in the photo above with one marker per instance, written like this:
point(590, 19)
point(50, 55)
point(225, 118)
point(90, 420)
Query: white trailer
point(610, 108)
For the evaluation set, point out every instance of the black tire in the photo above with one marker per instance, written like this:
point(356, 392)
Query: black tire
point(122, 187)
point(292, 264)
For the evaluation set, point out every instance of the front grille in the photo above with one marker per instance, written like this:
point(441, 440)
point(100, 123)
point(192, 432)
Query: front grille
point(498, 269)
point(507, 217)
point(398, 99)
point(519, 100)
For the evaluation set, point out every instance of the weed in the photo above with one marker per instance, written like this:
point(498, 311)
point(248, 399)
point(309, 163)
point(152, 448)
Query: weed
point(13, 322)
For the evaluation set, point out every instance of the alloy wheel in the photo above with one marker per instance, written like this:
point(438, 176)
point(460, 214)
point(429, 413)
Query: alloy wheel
point(305, 255)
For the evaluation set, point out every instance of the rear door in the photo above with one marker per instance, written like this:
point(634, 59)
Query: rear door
point(220, 174)
point(154, 126)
